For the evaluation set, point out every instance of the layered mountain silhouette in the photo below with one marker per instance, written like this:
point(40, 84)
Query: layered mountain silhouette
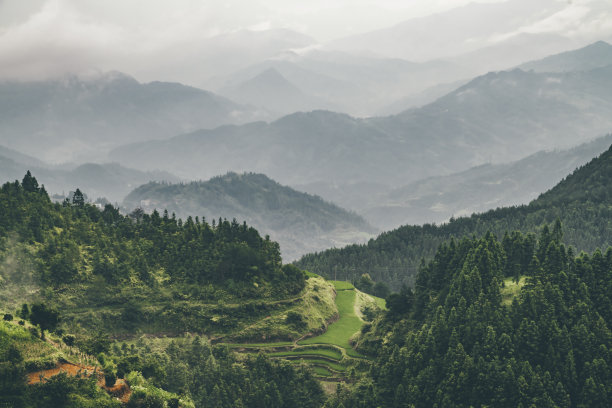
point(272, 91)
point(593, 56)
point(77, 119)
point(498, 117)
point(298, 221)
point(580, 203)
point(110, 180)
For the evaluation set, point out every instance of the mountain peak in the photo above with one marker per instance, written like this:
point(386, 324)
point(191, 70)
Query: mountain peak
point(595, 55)
point(270, 77)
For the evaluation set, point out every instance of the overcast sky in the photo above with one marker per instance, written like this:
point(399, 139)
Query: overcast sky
point(40, 38)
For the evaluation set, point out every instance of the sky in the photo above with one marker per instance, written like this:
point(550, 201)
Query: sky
point(44, 38)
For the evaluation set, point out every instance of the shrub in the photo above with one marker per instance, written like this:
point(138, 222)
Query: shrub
point(296, 320)
point(25, 311)
point(110, 378)
point(69, 340)
point(8, 317)
point(34, 332)
point(21, 323)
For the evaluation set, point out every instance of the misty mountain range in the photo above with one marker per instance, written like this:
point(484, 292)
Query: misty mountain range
point(76, 119)
point(109, 180)
point(476, 190)
point(338, 81)
point(497, 117)
point(429, 153)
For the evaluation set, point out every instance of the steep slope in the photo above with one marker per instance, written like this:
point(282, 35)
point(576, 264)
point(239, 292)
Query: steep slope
point(145, 272)
point(91, 279)
point(75, 119)
point(476, 190)
point(518, 322)
point(582, 202)
point(510, 114)
point(298, 221)
point(593, 56)
point(498, 117)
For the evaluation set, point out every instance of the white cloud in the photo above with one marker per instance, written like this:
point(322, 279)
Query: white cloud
point(42, 38)
point(50, 40)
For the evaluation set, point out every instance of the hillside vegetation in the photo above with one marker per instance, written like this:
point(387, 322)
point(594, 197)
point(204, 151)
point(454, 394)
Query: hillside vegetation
point(582, 202)
point(153, 272)
point(456, 342)
point(99, 276)
point(299, 222)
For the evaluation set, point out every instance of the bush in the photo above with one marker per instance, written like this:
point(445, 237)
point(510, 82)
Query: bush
point(25, 311)
point(21, 323)
point(69, 340)
point(110, 378)
point(34, 332)
point(296, 320)
point(8, 317)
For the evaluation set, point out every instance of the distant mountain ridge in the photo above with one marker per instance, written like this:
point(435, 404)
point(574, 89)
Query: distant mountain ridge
point(272, 91)
point(358, 85)
point(109, 180)
point(298, 221)
point(76, 118)
point(593, 56)
point(478, 189)
point(581, 202)
point(498, 117)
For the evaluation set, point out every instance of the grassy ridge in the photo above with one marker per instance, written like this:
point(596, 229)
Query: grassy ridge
point(348, 323)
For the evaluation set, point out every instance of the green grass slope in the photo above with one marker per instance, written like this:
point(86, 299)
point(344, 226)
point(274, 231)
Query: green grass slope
point(330, 354)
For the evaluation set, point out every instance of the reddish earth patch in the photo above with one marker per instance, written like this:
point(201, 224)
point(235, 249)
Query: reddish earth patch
point(120, 390)
point(68, 368)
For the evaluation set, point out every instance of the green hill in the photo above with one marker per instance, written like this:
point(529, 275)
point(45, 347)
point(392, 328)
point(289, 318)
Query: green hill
point(582, 202)
point(463, 338)
point(110, 277)
point(300, 222)
point(154, 273)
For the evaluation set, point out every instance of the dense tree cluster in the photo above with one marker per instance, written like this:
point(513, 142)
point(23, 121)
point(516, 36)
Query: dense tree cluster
point(583, 202)
point(75, 242)
point(462, 338)
point(213, 376)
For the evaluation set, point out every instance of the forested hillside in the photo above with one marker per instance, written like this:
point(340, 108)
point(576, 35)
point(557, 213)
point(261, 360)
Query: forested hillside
point(77, 277)
point(152, 272)
point(582, 202)
point(299, 222)
point(514, 323)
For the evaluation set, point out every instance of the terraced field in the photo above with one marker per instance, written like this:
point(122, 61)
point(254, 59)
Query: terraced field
point(330, 354)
